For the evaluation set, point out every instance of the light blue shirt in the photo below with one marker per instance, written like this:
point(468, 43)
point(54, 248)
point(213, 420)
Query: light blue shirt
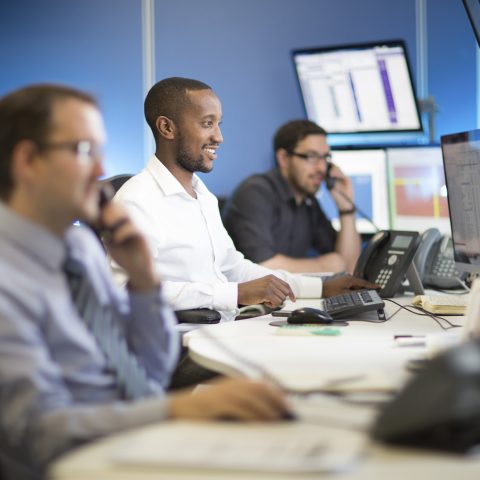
point(55, 388)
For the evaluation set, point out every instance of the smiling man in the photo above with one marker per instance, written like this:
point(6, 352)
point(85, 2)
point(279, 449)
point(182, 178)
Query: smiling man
point(275, 219)
point(196, 258)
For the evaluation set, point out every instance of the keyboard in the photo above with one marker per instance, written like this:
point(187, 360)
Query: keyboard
point(353, 303)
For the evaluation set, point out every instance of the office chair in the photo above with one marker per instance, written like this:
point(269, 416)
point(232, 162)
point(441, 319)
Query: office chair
point(117, 180)
point(195, 315)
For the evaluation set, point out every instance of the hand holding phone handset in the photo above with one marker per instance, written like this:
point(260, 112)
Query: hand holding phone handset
point(125, 243)
point(332, 181)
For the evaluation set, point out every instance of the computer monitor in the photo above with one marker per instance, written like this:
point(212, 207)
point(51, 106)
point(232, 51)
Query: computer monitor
point(461, 160)
point(418, 195)
point(368, 171)
point(359, 88)
point(473, 11)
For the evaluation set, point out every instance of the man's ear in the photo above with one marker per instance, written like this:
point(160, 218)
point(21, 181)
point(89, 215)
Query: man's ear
point(23, 156)
point(282, 158)
point(166, 127)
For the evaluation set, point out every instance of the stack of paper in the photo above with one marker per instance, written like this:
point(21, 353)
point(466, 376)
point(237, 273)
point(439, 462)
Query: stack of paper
point(279, 447)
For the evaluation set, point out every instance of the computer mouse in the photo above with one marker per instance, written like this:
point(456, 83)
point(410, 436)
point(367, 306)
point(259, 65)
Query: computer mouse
point(310, 315)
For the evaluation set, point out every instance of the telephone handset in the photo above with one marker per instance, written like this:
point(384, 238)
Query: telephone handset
point(329, 180)
point(387, 259)
point(434, 260)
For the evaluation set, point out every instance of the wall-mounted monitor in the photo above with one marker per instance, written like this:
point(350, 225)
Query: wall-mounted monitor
point(461, 160)
point(418, 195)
point(368, 171)
point(359, 88)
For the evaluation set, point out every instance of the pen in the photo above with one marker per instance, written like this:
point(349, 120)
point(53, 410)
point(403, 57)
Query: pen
point(409, 340)
point(408, 336)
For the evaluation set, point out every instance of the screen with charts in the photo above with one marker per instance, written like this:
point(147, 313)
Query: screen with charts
point(358, 88)
point(418, 195)
point(461, 158)
point(368, 171)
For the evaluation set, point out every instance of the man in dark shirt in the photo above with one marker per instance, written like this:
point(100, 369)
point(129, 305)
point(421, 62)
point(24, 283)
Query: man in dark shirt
point(275, 219)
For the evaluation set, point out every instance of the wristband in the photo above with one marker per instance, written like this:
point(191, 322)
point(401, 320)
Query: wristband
point(347, 212)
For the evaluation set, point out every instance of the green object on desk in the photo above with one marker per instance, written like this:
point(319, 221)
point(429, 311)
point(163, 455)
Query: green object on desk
point(313, 329)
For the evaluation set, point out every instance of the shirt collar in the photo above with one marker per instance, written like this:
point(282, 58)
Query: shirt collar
point(284, 188)
point(167, 182)
point(35, 240)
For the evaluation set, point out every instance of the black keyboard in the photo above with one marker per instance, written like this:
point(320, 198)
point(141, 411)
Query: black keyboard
point(352, 303)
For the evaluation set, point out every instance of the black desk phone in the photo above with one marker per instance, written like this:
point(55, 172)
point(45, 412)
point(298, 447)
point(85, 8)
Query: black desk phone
point(434, 261)
point(387, 259)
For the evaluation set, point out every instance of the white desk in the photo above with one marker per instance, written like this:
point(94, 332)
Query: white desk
point(305, 362)
point(300, 362)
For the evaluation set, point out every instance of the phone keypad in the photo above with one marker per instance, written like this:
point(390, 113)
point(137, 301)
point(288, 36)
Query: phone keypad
point(383, 276)
point(444, 267)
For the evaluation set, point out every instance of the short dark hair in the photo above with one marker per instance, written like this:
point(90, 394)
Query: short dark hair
point(168, 98)
point(289, 134)
point(26, 114)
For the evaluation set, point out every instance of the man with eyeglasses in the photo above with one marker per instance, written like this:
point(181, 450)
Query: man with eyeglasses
point(79, 357)
point(275, 219)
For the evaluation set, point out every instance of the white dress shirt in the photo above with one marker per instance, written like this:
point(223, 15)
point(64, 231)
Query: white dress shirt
point(195, 257)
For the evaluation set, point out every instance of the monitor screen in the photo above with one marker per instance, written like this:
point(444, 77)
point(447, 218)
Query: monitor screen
point(461, 160)
point(361, 88)
point(418, 195)
point(473, 11)
point(368, 171)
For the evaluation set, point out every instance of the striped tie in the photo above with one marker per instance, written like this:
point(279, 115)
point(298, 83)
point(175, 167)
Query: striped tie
point(131, 376)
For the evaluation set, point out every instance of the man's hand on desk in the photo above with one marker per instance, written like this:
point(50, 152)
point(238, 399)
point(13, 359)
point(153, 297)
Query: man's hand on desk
point(235, 399)
point(270, 290)
point(344, 283)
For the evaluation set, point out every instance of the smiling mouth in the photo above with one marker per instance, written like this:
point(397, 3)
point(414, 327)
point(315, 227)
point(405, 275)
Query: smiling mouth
point(211, 151)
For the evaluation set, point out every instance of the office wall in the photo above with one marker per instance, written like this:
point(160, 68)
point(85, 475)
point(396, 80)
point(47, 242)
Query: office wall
point(240, 48)
point(243, 50)
point(452, 50)
point(91, 44)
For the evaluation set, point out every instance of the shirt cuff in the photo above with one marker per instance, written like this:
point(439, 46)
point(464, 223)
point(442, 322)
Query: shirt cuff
point(225, 296)
point(309, 287)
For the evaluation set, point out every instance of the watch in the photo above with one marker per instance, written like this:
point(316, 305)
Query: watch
point(347, 212)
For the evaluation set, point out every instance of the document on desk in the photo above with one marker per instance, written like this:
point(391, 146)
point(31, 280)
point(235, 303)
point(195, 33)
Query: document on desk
point(280, 447)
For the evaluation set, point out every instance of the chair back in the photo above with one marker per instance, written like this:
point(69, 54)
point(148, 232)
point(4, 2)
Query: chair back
point(118, 180)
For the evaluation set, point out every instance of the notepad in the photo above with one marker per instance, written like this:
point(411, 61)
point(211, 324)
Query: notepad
point(442, 304)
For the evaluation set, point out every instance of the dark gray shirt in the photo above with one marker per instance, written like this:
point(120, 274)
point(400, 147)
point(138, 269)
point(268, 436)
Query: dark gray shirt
point(263, 220)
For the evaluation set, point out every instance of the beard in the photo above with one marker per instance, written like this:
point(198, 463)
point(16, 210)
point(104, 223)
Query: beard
point(188, 162)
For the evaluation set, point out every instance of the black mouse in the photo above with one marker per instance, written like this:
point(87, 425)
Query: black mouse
point(310, 315)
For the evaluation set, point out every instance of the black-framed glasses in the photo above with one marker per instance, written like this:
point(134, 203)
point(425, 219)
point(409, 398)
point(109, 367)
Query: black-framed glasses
point(313, 157)
point(86, 151)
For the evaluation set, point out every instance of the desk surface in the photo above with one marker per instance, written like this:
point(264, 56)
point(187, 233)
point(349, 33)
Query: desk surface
point(300, 362)
point(304, 362)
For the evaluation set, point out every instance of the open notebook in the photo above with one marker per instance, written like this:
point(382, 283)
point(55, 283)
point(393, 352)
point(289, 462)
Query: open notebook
point(445, 304)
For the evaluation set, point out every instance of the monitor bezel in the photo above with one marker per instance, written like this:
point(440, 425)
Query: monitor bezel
point(460, 137)
point(362, 46)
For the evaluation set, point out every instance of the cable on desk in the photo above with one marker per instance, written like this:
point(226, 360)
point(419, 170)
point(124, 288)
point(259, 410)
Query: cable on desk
point(424, 313)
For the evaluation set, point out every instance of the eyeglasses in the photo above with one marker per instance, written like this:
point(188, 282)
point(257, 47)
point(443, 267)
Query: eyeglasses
point(313, 158)
point(86, 151)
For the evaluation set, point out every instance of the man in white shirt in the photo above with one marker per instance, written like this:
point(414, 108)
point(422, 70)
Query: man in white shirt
point(196, 258)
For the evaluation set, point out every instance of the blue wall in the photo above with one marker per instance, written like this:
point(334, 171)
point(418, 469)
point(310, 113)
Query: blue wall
point(241, 48)
point(91, 44)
